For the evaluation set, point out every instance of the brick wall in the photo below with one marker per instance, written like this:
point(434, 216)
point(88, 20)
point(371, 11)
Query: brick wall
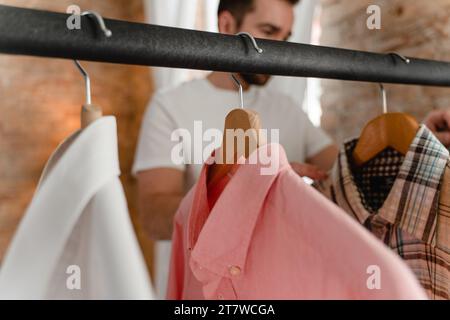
point(419, 28)
point(40, 106)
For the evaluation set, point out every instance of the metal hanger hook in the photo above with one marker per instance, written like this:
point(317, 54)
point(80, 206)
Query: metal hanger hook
point(255, 45)
point(107, 33)
point(87, 81)
point(383, 95)
point(241, 90)
point(405, 59)
point(238, 83)
point(101, 23)
point(383, 91)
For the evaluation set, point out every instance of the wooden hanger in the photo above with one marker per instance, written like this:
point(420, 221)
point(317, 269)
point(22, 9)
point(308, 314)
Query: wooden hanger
point(90, 113)
point(395, 130)
point(238, 119)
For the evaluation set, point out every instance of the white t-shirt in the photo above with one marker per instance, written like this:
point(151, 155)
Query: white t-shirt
point(199, 100)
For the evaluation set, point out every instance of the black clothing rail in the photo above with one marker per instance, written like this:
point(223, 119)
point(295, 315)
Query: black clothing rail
point(45, 34)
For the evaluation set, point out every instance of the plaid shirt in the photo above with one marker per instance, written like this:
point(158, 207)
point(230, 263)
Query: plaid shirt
point(405, 202)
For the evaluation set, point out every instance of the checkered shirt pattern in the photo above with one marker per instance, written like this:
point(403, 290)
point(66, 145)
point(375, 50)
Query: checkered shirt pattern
point(407, 206)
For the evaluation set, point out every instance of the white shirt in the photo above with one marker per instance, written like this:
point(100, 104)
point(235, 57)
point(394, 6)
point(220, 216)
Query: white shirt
point(76, 233)
point(199, 100)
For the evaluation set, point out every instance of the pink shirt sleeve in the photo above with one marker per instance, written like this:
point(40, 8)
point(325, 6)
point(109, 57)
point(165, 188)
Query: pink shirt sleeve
point(348, 250)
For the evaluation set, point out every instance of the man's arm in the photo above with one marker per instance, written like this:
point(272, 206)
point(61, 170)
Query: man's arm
point(160, 192)
point(325, 159)
point(317, 166)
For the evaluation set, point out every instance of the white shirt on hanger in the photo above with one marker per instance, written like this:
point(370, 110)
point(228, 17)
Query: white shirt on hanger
point(76, 240)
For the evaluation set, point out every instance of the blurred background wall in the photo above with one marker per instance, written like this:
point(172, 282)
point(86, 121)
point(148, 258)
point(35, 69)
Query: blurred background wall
point(40, 101)
point(419, 28)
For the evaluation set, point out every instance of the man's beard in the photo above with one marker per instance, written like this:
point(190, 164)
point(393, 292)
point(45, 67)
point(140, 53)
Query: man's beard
point(255, 79)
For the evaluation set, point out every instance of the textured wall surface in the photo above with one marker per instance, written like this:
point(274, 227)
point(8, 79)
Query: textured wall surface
point(419, 28)
point(40, 101)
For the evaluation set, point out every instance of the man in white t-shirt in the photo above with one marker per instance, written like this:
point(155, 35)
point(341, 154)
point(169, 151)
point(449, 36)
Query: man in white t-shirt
point(198, 106)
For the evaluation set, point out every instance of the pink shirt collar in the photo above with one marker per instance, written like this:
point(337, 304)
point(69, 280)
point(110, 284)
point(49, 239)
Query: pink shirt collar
point(241, 212)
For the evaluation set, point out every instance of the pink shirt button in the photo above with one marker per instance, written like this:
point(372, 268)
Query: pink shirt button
point(235, 271)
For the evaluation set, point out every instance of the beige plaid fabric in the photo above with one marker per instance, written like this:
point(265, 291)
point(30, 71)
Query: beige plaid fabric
point(414, 219)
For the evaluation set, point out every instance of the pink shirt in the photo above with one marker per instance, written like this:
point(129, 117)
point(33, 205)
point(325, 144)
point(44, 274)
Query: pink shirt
point(275, 237)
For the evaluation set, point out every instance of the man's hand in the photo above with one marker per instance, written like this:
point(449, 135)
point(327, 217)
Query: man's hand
point(308, 170)
point(438, 121)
